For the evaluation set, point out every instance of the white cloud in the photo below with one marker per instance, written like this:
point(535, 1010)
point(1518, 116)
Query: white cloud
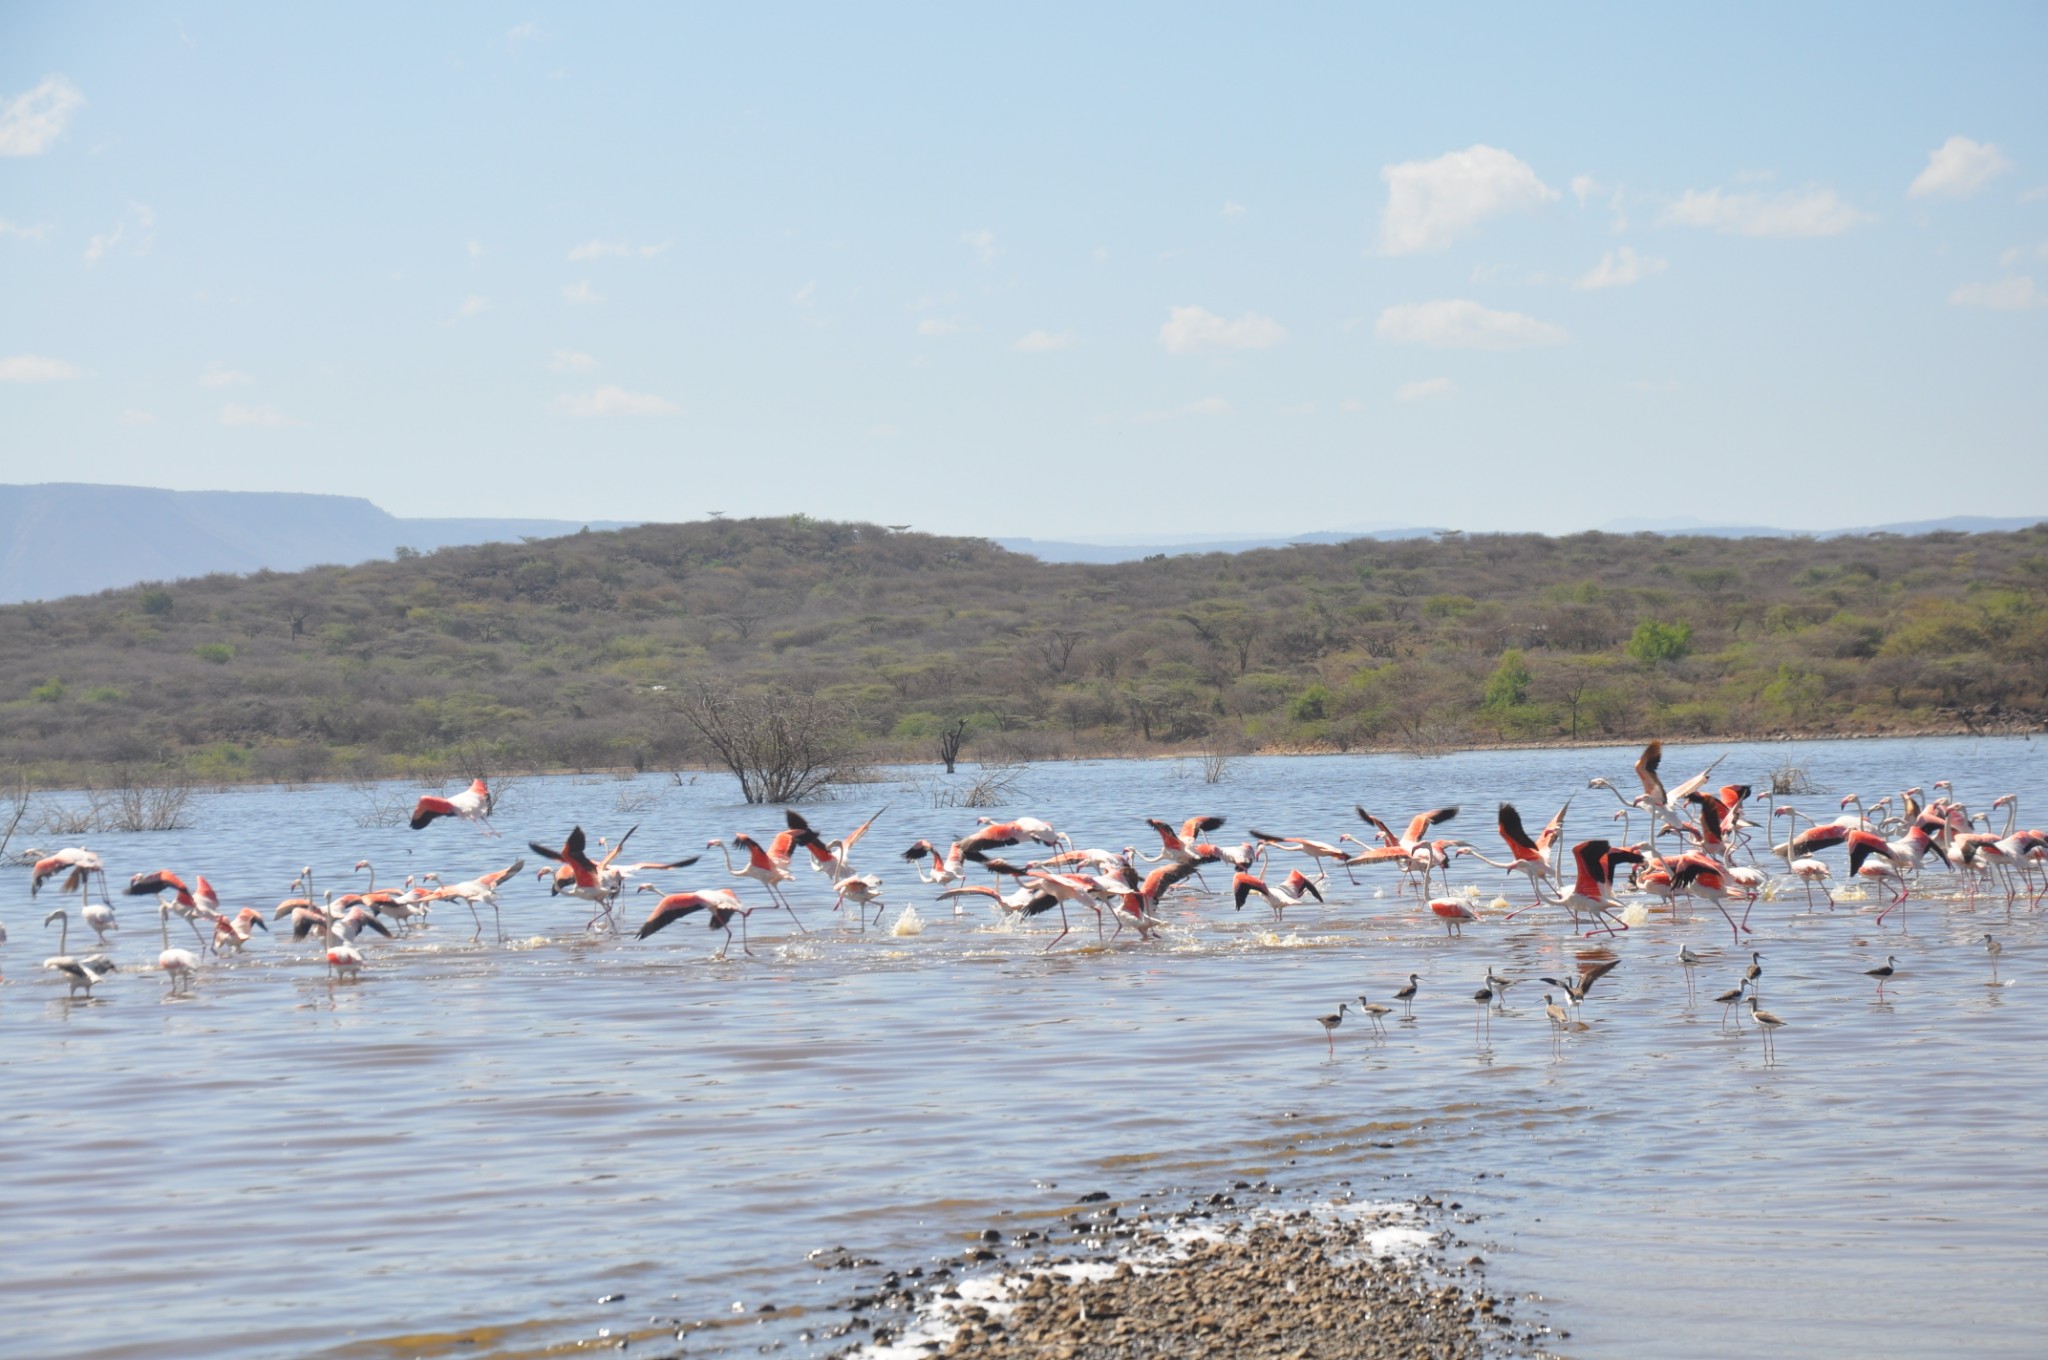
point(475, 249)
point(30, 122)
point(31, 368)
point(526, 32)
point(473, 305)
point(18, 231)
point(1190, 330)
point(1432, 203)
point(1425, 389)
point(1351, 406)
point(806, 295)
point(2035, 194)
point(582, 292)
point(231, 414)
point(884, 431)
point(101, 244)
point(1460, 323)
point(1958, 168)
point(1045, 342)
point(984, 243)
point(1619, 268)
point(140, 216)
point(1583, 187)
point(218, 374)
point(2014, 294)
point(2012, 257)
point(1232, 209)
point(597, 250)
point(615, 401)
point(571, 361)
point(935, 325)
point(1795, 212)
point(138, 417)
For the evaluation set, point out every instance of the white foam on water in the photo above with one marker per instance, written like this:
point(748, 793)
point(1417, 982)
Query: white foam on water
point(909, 923)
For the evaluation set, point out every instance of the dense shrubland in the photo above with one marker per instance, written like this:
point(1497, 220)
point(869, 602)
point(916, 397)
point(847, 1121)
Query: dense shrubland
point(582, 651)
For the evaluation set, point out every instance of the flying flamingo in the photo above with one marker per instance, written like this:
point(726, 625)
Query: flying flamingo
point(1592, 891)
point(1294, 890)
point(183, 902)
point(1528, 856)
point(233, 932)
point(1659, 802)
point(1024, 901)
point(81, 972)
point(860, 889)
point(1065, 888)
point(77, 864)
point(945, 869)
point(722, 904)
point(1317, 850)
point(995, 834)
point(1706, 878)
point(836, 857)
point(762, 869)
point(472, 805)
point(483, 888)
point(1182, 846)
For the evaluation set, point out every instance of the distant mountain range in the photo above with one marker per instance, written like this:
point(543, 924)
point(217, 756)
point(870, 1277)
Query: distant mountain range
point(68, 538)
point(1047, 550)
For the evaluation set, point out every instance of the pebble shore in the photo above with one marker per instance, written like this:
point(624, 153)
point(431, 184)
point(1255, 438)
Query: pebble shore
point(1211, 1281)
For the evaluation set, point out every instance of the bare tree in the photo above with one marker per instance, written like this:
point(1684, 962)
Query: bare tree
point(19, 798)
point(782, 747)
point(950, 741)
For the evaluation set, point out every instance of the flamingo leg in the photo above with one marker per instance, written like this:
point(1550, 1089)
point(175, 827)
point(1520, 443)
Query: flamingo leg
point(1065, 927)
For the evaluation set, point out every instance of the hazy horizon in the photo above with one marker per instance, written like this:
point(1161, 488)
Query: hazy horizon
point(1059, 274)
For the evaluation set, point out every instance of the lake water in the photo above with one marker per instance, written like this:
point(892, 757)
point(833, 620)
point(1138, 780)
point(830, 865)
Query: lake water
point(484, 1141)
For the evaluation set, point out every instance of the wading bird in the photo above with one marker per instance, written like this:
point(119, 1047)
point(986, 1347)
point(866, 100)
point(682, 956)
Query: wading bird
point(180, 964)
point(1330, 1023)
point(1769, 1025)
point(1376, 1013)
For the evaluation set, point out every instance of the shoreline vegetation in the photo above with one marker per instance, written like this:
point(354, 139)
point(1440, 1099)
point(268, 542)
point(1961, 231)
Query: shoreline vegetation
point(798, 654)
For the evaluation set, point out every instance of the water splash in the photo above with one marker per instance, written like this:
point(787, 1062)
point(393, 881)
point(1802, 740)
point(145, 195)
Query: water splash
point(909, 923)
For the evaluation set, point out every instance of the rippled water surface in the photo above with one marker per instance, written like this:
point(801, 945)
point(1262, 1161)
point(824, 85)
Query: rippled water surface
point(483, 1140)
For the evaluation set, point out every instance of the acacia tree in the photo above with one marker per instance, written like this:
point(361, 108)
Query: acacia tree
point(782, 747)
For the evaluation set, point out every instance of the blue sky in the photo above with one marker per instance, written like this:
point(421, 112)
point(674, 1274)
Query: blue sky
point(1043, 270)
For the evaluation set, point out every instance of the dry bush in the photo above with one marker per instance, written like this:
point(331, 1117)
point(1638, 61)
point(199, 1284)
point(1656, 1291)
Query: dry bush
point(378, 804)
point(1793, 779)
point(145, 805)
point(782, 747)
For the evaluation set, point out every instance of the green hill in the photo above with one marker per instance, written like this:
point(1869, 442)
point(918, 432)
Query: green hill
point(572, 652)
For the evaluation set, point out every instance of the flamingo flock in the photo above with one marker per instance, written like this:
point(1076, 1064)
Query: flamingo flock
point(1699, 845)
